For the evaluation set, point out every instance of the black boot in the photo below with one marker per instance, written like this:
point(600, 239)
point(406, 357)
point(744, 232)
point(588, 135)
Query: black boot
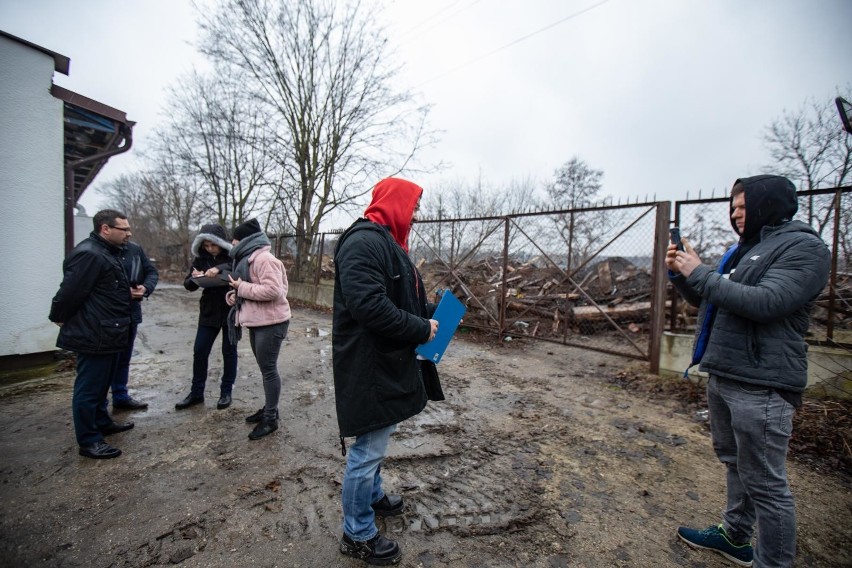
point(258, 416)
point(378, 551)
point(263, 428)
point(189, 401)
point(388, 506)
point(224, 402)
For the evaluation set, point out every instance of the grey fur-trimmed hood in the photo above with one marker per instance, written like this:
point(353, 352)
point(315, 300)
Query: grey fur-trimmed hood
point(213, 233)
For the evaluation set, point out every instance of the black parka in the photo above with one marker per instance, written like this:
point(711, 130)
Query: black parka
point(380, 316)
point(93, 301)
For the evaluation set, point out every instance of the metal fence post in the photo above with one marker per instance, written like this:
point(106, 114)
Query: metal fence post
point(658, 284)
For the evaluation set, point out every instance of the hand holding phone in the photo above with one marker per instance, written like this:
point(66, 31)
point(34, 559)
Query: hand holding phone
point(674, 235)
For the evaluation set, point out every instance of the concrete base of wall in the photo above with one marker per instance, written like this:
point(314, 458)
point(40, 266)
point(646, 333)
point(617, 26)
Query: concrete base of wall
point(322, 295)
point(829, 371)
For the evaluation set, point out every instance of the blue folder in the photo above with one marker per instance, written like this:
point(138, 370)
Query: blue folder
point(449, 313)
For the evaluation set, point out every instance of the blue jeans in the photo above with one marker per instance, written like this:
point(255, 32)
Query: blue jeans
point(266, 345)
point(205, 337)
point(751, 427)
point(94, 372)
point(362, 483)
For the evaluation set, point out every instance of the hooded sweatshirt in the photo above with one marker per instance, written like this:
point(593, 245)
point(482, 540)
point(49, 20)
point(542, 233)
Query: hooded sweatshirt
point(764, 297)
point(393, 205)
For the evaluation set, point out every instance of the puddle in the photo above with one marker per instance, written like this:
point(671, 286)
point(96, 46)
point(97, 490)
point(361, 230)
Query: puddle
point(316, 332)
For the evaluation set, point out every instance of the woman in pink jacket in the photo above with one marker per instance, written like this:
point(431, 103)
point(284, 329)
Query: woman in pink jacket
point(259, 302)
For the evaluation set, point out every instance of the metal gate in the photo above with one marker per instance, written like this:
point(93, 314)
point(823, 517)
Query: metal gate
point(590, 277)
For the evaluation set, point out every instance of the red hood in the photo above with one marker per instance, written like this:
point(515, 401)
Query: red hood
point(393, 204)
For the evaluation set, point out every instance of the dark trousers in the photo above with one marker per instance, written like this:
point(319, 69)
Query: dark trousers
point(94, 372)
point(266, 345)
point(205, 337)
point(122, 372)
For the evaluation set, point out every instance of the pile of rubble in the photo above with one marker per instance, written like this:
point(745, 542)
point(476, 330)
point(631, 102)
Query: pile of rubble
point(542, 300)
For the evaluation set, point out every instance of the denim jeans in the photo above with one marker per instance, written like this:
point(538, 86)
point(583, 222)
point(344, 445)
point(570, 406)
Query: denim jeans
point(751, 427)
point(266, 345)
point(94, 372)
point(205, 337)
point(362, 483)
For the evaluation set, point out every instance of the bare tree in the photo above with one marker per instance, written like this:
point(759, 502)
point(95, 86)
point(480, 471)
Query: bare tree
point(809, 146)
point(577, 186)
point(323, 71)
point(450, 201)
point(163, 210)
point(217, 135)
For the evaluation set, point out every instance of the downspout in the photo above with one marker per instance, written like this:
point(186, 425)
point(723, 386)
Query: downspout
point(70, 198)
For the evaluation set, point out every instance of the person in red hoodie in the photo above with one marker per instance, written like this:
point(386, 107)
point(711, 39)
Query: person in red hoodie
point(380, 316)
point(259, 302)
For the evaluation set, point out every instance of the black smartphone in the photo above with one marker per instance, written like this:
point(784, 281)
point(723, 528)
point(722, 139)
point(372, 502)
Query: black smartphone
point(674, 235)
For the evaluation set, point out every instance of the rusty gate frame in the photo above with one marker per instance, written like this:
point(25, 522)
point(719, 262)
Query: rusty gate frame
point(658, 280)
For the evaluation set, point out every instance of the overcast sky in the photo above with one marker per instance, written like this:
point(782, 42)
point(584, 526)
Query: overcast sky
point(665, 96)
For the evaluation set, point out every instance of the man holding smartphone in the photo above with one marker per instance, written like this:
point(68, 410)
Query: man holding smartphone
point(754, 312)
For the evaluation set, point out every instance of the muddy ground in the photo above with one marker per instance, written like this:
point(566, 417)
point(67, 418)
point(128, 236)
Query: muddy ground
point(537, 458)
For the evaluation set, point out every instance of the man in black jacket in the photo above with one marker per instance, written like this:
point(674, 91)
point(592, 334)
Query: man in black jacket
point(380, 316)
point(754, 313)
point(143, 277)
point(92, 309)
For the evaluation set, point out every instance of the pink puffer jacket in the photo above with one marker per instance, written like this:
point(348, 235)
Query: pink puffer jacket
point(265, 297)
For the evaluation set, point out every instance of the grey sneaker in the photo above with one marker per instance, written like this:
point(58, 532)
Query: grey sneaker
point(716, 539)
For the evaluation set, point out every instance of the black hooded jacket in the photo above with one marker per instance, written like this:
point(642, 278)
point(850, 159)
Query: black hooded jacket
point(380, 316)
point(763, 299)
point(212, 309)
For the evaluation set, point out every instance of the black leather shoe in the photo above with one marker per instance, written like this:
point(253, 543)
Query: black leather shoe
point(116, 427)
point(189, 401)
point(99, 451)
point(224, 401)
point(258, 416)
point(263, 428)
point(388, 506)
point(130, 404)
point(378, 551)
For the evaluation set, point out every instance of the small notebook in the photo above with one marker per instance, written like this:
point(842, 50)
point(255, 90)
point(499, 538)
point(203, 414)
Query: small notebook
point(449, 314)
point(212, 282)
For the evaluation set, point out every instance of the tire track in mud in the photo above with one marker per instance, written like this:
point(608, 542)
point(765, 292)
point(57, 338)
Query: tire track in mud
point(530, 457)
point(486, 482)
point(296, 505)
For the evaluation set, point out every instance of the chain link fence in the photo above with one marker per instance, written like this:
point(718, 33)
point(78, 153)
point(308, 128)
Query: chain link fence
point(587, 277)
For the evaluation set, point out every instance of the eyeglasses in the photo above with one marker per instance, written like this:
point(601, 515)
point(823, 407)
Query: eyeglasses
point(125, 229)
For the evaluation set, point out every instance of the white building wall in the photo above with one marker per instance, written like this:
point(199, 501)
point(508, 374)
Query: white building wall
point(31, 199)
